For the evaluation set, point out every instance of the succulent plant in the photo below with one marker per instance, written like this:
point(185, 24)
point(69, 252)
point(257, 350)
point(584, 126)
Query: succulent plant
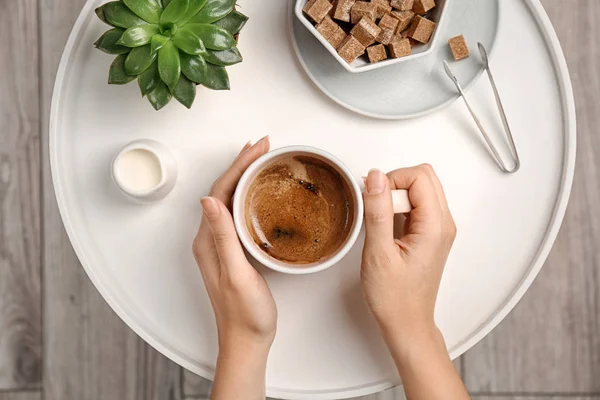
point(171, 46)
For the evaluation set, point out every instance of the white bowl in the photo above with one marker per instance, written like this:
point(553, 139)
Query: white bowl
point(362, 65)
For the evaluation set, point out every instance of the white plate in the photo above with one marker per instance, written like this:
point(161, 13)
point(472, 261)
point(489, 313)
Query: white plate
point(412, 88)
point(327, 346)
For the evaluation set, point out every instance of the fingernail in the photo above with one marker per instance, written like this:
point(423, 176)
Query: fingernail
point(265, 138)
point(210, 207)
point(246, 146)
point(375, 182)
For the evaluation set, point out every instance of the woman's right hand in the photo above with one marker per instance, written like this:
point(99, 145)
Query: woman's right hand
point(401, 277)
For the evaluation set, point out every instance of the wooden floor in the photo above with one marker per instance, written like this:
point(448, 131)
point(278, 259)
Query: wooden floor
point(60, 341)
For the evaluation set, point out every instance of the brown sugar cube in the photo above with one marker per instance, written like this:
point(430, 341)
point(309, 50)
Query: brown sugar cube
point(403, 35)
point(395, 38)
point(382, 7)
point(385, 37)
point(362, 9)
point(400, 48)
point(331, 31)
point(388, 26)
point(333, 3)
point(366, 31)
point(316, 10)
point(404, 18)
point(421, 29)
point(350, 49)
point(403, 5)
point(327, 27)
point(459, 47)
point(341, 10)
point(422, 6)
point(338, 37)
point(376, 53)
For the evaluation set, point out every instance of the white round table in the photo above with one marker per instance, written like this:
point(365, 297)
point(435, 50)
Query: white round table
point(327, 346)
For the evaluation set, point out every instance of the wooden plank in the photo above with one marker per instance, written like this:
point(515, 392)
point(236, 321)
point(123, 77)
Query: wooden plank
point(195, 386)
point(550, 343)
point(20, 298)
point(90, 353)
point(24, 395)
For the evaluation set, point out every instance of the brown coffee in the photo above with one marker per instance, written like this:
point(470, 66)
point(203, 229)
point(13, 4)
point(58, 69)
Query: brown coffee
point(299, 209)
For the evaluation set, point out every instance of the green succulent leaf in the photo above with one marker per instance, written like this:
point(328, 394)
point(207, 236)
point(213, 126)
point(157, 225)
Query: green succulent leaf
point(138, 35)
point(108, 42)
point(213, 36)
point(157, 42)
point(169, 66)
point(100, 13)
point(216, 78)
point(233, 22)
point(223, 58)
point(185, 92)
point(214, 11)
point(117, 74)
point(160, 96)
point(165, 3)
point(149, 79)
point(193, 67)
point(186, 40)
point(149, 10)
point(174, 11)
point(193, 8)
point(117, 14)
point(139, 59)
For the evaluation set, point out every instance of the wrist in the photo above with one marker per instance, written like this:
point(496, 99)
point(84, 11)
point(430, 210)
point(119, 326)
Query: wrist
point(406, 344)
point(241, 368)
point(239, 346)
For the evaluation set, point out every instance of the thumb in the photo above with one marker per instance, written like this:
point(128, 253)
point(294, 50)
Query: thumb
point(224, 234)
point(379, 211)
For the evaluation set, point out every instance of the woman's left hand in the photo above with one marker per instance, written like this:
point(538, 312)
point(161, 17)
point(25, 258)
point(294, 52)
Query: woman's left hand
point(244, 308)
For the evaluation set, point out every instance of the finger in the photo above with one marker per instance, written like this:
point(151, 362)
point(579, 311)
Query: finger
point(427, 212)
point(417, 181)
point(246, 147)
point(206, 257)
point(379, 211)
point(204, 228)
point(437, 185)
point(449, 226)
point(224, 187)
point(224, 234)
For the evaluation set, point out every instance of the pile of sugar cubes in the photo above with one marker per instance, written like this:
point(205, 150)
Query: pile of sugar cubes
point(381, 28)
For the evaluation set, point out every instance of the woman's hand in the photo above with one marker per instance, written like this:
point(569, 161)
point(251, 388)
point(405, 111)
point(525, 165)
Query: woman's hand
point(244, 308)
point(401, 277)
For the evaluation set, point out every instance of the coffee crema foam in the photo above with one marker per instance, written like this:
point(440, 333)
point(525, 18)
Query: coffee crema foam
point(299, 209)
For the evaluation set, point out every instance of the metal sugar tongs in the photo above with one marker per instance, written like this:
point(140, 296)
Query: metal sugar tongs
point(511, 142)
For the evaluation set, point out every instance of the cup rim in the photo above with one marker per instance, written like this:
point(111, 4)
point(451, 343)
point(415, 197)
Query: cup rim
point(261, 256)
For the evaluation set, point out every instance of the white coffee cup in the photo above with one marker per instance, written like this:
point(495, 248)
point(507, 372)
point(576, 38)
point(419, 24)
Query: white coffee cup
point(400, 200)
